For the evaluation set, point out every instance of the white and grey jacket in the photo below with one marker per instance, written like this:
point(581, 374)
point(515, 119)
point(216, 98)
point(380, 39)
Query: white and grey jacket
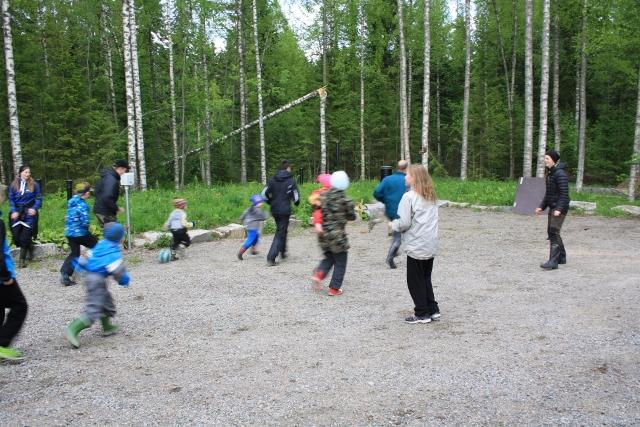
point(418, 224)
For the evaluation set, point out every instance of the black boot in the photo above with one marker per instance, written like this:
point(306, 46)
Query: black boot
point(562, 258)
point(30, 250)
point(23, 258)
point(552, 264)
point(393, 251)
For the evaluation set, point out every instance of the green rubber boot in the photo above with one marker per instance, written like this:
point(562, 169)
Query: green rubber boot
point(74, 328)
point(107, 327)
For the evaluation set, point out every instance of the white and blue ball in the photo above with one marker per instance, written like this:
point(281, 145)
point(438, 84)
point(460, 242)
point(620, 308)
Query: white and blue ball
point(164, 256)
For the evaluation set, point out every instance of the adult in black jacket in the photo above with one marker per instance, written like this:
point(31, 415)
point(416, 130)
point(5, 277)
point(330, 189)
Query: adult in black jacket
point(556, 198)
point(107, 191)
point(280, 191)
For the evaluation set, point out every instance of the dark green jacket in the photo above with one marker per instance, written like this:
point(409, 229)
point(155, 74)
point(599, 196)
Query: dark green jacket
point(337, 209)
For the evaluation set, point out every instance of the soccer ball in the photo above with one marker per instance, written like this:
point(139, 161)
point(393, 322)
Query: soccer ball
point(164, 256)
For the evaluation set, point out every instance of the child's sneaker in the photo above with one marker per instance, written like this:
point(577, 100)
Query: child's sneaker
point(417, 319)
point(334, 292)
point(10, 353)
point(436, 316)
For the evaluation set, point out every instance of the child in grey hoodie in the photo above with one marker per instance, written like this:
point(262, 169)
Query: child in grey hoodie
point(253, 219)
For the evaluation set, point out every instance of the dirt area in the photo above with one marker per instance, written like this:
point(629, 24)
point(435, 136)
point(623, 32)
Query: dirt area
point(211, 340)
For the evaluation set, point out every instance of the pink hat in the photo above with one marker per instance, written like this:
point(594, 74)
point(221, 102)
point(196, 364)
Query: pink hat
point(324, 179)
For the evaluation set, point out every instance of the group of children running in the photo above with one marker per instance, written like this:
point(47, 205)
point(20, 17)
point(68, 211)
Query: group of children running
point(331, 210)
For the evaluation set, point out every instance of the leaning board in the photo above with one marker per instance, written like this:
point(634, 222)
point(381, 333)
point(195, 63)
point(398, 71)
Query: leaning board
point(529, 195)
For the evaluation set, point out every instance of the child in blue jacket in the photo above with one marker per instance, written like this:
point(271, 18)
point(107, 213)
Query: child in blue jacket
point(105, 260)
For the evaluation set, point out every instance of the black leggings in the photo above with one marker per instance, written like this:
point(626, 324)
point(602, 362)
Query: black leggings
point(22, 236)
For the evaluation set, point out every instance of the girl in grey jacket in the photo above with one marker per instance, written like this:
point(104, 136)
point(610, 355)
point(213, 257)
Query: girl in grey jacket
point(418, 223)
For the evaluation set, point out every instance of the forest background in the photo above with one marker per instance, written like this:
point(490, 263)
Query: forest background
point(70, 62)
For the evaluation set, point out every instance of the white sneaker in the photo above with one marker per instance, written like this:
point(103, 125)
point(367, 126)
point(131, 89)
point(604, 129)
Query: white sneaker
point(436, 316)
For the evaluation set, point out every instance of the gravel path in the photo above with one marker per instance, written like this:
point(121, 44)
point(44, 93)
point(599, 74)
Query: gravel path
point(212, 340)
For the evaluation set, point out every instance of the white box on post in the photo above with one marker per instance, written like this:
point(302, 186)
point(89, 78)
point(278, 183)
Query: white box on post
point(128, 179)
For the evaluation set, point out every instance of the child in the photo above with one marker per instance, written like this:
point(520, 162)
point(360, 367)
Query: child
point(105, 260)
point(253, 218)
point(11, 297)
point(418, 223)
point(337, 209)
point(76, 229)
point(178, 225)
point(315, 201)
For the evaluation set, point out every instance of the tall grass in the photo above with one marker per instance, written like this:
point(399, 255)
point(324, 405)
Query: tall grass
point(223, 204)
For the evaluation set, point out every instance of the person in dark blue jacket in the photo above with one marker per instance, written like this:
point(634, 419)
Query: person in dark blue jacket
point(76, 229)
point(280, 191)
point(105, 260)
point(107, 191)
point(390, 192)
point(11, 297)
point(25, 199)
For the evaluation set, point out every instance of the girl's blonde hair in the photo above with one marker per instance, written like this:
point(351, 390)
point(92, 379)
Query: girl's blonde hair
point(422, 183)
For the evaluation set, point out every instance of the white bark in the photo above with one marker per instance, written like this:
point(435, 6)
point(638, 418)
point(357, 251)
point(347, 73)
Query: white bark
point(426, 81)
point(104, 13)
point(243, 97)
point(129, 91)
point(362, 37)
point(263, 158)
point(142, 171)
point(467, 86)
point(514, 56)
point(207, 110)
point(12, 100)
point(583, 100)
point(635, 161)
point(544, 89)
point(404, 122)
point(528, 90)
point(174, 126)
point(325, 36)
point(323, 134)
point(556, 85)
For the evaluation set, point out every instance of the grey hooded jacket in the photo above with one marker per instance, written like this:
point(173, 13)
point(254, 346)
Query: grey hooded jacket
point(418, 223)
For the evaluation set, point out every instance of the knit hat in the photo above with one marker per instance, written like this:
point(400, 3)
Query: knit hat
point(340, 180)
point(113, 232)
point(82, 187)
point(179, 203)
point(555, 156)
point(324, 179)
point(256, 200)
point(121, 164)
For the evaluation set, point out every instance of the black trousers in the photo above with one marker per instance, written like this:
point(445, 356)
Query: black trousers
point(420, 287)
point(74, 243)
point(339, 263)
point(11, 297)
point(279, 244)
point(554, 225)
point(22, 236)
point(105, 219)
point(180, 236)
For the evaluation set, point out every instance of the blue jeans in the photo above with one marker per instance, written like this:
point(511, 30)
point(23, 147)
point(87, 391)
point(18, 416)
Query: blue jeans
point(252, 239)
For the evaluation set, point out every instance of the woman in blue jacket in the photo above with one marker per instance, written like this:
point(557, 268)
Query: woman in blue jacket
point(25, 199)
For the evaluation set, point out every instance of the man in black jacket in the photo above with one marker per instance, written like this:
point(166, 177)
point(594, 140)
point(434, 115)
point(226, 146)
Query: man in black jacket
point(107, 191)
point(280, 191)
point(556, 198)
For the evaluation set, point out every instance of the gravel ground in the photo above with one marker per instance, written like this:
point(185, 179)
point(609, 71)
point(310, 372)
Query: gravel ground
point(213, 340)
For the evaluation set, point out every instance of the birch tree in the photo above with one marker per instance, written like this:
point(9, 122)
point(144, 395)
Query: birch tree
point(361, 49)
point(426, 79)
point(528, 89)
point(12, 99)
point(323, 134)
point(106, 46)
point(556, 84)
point(142, 171)
point(635, 160)
point(263, 158)
point(129, 91)
point(583, 99)
point(243, 94)
point(207, 110)
point(544, 90)
point(467, 86)
point(404, 122)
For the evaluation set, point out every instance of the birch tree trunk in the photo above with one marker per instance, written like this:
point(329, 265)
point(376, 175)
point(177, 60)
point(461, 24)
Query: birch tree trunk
point(174, 126)
point(577, 92)
point(467, 86)
point(556, 84)
point(263, 158)
point(426, 81)
point(12, 99)
point(362, 36)
point(635, 160)
point(106, 45)
point(323, 135)
point(137, 95)
point(45, 49)
point(407, 147)
point(129, 91)
point(325, 35)
point(514, 58)
point(207, 110)
point(404, 122)
point(544, 90)
point(243, 98)
point(528, 89)
point(183, 126)
point(438, 113)
point(583, 99)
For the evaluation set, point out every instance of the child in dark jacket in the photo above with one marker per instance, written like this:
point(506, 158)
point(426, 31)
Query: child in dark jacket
point(253, 218)
point(11, 297)
point(105, 260)
point(337, 209)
